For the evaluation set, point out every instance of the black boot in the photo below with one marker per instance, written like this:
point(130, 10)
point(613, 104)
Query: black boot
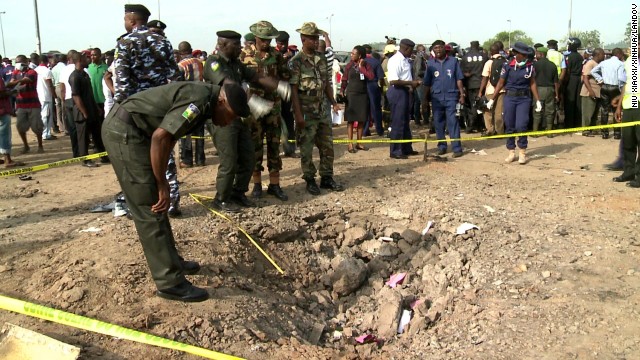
point(312, 187)
point(327, 182)
point(276, 190)
point(257, 190)
point(242, 199)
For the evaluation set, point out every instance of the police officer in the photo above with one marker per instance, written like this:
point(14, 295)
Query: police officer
point(267, 128)
point(157, 26)
point(518, 78)
point(472, 64)
point(443, 82)
point(143, 60)
point(139, 134)
point(627, 111)
point(310, 85)
point(235, 146)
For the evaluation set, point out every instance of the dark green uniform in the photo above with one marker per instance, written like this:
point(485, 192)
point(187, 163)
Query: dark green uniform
point(271, 64)
point(177, 108)
point(310, 73)
point(233, 142)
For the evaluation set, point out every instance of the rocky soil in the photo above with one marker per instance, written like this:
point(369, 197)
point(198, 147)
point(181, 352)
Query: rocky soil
point(550, 272)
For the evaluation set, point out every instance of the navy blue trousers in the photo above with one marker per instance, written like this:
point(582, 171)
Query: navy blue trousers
point(399, 101)
point(516, 119)
point(375, 108)
point(444, 114)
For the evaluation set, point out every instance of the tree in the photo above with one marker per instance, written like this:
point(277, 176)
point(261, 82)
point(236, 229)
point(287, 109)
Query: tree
point(589, 39)
point(516, 35)
point(627, 33)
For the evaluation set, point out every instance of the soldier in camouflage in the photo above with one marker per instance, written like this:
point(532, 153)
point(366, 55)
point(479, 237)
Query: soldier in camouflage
point(248, 53)
point(310, 85)
point(235, 146)
point(269, 62)
point(143, 60)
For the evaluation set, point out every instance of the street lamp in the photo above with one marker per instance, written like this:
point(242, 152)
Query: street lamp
point(4, 51)
point(35, 8)
point(509, 33)
point(329, 18)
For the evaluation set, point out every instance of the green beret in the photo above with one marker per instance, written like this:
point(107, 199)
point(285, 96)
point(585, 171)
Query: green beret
point(542, 49)
point(250, 37)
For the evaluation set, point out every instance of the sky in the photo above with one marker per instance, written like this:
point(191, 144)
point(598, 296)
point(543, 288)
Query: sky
point(196, 21)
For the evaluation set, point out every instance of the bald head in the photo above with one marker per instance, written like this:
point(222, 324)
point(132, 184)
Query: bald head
point(184, 48)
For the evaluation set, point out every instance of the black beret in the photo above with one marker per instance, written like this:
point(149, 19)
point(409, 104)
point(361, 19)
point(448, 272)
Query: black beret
point(552, 42)
point(438, 42)
point(407, 42)
point(237, 99)
point(537, 45)
point(229, 34)
point(156, 24)
point(137, 8)
point(282, 36)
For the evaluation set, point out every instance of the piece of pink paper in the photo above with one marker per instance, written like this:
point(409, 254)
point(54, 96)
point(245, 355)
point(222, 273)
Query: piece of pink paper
point(416, 303)
point(396, 279)
point(363, 339)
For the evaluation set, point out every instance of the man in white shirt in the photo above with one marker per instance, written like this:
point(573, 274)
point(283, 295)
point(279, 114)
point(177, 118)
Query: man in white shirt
point(60, 62)
point(493, 118)
point(65, 91)
point(401, 86)
point(45, 90)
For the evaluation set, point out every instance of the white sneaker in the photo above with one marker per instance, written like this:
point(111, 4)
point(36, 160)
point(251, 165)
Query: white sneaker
point(511, 157)
point(120, 209)
point(522, 157)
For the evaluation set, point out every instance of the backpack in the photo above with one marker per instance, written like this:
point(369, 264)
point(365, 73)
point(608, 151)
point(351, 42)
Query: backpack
point(496, 69)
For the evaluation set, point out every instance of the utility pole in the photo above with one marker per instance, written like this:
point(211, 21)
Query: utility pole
point(570, 15)
point(4, 51)
point(38, 46)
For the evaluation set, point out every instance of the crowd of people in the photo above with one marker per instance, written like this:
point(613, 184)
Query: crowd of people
point(138, 100)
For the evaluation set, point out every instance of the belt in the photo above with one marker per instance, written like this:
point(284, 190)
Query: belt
point(123, 115)
point(610, 87)
point(313, 93)
point(518, 92)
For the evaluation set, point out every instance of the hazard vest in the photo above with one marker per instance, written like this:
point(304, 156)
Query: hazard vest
point(555, 57)
point(627, 102)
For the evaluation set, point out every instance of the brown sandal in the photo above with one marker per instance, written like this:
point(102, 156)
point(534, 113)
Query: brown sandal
point(362, 147)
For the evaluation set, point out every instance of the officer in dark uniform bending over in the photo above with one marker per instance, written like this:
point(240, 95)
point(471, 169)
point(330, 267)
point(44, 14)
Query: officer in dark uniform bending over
point(234, 143)
point(139, 133)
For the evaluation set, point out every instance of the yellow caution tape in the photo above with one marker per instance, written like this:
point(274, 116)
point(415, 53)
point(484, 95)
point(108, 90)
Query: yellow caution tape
point(197, 199)
point(85, 323)
point(13, 172)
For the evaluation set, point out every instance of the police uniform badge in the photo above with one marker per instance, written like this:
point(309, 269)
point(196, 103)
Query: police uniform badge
point(191, 112)
point(215, 66)
point(449, 72)
point(436, 74)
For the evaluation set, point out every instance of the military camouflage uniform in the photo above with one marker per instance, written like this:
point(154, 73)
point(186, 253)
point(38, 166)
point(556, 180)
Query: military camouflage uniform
point(310, 74)
point(143, 60)
point(271, 64)
point(248, 55)
point(233, 142)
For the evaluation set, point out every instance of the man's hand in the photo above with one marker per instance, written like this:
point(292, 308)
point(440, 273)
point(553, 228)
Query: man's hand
point(618, 114)
point(336, 108)
point(489, 104)
point(461, 99)
point(538, 106)
point(416, 83)
point(557, 99)
point(26, 80)
point(299, 123)
point(592, 94)
point(163, 198)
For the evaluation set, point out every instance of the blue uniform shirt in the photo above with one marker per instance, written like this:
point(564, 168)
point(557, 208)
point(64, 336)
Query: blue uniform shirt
point(442, 76)
point(517, 77)
point(377, 69)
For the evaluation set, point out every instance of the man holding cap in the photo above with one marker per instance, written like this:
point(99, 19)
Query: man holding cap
point(401, 86)
point(548, 89)
point(310, 85)
point(234, 144)
point(139, 133)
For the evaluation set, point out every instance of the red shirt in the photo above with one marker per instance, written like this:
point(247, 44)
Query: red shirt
point(27, 94)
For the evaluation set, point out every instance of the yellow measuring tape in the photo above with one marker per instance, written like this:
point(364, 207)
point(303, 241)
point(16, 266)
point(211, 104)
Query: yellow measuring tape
point(50, 165)
point(363, 141)
point(85, 323)
point(197, 199)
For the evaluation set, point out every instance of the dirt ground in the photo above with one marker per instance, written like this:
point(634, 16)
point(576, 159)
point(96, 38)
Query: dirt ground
point(551, 273)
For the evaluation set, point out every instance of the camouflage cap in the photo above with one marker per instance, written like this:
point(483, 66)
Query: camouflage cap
point(264, 30)
point(310, 29)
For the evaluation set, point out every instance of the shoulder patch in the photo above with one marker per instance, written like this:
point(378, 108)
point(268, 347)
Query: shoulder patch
point(191, 112)
point(215, 66)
